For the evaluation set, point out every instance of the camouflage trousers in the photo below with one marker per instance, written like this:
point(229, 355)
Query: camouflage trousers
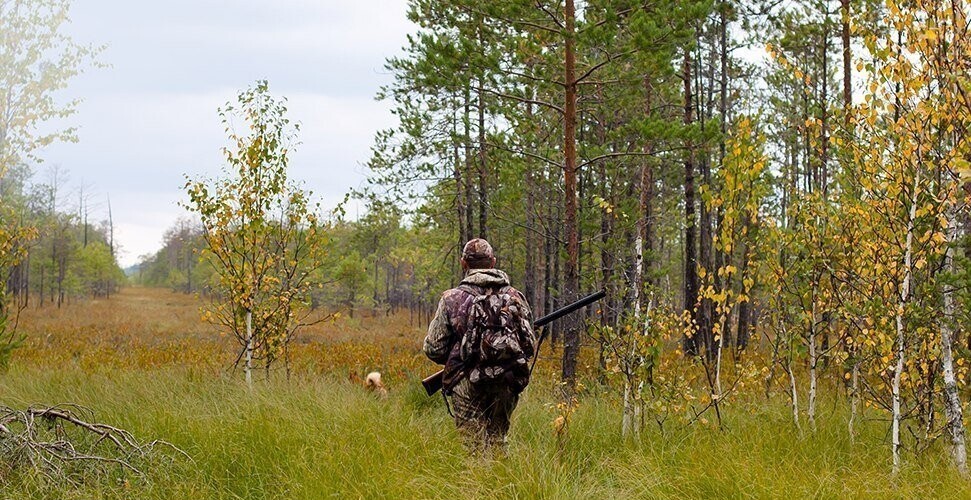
point(482, 416)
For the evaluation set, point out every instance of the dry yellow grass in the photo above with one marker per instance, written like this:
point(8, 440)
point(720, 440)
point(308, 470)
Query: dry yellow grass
point(152, 328)
point(145, 361)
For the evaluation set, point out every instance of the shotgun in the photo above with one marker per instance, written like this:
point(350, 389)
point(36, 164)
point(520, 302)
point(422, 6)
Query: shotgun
point(433, 383)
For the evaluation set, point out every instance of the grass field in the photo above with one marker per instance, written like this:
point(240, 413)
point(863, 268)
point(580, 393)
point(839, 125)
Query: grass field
point(143, 362)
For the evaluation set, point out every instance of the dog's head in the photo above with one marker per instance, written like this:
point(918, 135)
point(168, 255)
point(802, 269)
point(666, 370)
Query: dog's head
point(373, 383)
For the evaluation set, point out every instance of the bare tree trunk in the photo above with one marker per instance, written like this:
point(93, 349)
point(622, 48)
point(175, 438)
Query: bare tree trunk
point(628, 423)
point(813, 362)
point(795, 395)
point(952, 400)
point(718, 364)
point(467, 136)
point(459, 190)
point(571, 344)
point(689, 344)
point(901, 304)
point(706, 306)
point(847, 104)
point(483, 166)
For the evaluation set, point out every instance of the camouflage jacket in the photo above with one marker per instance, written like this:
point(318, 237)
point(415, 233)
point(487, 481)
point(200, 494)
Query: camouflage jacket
point(448, 325)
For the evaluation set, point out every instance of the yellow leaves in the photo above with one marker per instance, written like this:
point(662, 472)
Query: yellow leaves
point(604, 205)
point(207, 316)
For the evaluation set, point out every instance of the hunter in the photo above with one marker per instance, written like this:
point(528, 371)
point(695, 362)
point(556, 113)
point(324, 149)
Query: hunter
point(482, 332)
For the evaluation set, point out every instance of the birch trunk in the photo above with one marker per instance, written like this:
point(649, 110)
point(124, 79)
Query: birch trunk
point(628, 423)
point(952, 401)
point(638, 394)
point(901, 304)
point(792, 377)
point(795, 394)
point(811, 405)
point(718, 362)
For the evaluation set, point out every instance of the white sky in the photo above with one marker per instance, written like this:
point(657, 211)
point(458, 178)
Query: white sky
point(151, 116)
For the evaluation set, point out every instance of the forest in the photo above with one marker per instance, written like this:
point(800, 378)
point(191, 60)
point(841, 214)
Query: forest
point(774, 196)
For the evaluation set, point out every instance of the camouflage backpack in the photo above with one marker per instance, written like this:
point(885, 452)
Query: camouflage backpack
point(498, 340)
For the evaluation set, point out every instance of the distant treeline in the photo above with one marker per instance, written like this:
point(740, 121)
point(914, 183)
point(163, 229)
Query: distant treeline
point(73, 255)
point(378, 263)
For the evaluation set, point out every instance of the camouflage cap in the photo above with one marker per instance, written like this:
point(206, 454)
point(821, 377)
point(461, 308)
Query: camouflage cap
point(477, 251)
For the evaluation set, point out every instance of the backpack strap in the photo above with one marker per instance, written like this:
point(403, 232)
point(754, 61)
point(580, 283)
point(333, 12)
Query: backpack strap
point(456, 339)
point(469, 289)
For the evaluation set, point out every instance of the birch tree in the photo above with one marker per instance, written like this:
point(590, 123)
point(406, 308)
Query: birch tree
point(262, 232)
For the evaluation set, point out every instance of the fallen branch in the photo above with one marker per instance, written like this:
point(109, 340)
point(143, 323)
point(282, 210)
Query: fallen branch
point(50, 439)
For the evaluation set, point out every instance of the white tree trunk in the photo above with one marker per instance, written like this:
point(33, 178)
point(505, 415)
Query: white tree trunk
point(795, 395)
point(811, 408)
point(898, 369)
point(639, 401)
point(901, 304)
point(248, 366)
point(630, 365)
point(626, 425)
point(952, 401)
point(718, 363)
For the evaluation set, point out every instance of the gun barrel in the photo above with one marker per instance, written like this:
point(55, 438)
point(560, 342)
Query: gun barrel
point(567, 309)
point(433, 383)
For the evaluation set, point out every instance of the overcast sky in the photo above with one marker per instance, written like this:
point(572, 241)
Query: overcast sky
point(152, 116)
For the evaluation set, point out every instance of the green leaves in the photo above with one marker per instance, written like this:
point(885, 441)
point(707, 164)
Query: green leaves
point(261, 231)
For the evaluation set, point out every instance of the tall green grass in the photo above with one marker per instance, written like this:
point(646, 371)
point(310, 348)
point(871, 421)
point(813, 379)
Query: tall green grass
point(328, 438)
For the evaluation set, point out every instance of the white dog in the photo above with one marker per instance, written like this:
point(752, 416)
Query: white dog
point(373, 383)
